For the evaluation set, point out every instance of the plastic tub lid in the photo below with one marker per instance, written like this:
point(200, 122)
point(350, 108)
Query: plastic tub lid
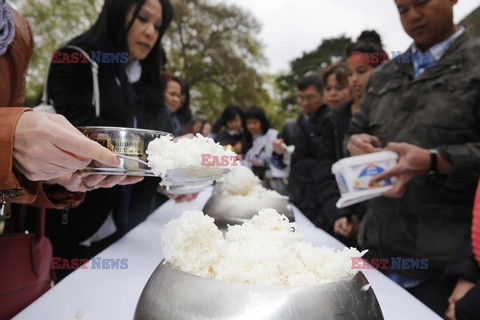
point(360, 196)
point(386, 155)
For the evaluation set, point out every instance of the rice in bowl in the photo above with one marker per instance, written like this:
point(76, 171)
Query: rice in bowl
point(266, 250)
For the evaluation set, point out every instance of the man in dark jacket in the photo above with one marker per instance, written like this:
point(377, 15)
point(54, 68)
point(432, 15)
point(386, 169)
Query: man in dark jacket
point(304, 159)
point(425, 105)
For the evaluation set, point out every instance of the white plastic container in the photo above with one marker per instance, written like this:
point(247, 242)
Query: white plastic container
point(353, 176)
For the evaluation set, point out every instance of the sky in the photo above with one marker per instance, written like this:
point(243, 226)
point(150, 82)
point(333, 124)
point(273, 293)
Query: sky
point(291, 27)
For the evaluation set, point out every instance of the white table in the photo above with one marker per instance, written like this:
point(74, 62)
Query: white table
point(99, 294)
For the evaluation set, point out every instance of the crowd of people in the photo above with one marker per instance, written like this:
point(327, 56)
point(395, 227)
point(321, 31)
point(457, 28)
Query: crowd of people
point(425, 108)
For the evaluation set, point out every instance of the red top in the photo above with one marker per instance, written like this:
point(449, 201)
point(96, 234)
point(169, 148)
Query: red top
point(476, 226)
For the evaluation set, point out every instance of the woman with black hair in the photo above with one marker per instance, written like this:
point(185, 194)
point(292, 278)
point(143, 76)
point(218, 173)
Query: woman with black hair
point(177, 99)
point(362, 58)
point(129, 94)
point(184, 114)
point(260, 156)
point(129, 97)
point(233, 134)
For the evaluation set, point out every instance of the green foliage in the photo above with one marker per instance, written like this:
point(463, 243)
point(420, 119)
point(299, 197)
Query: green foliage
point(328, 51)
point(274, 110)
point(54, 22)
point(215, 49)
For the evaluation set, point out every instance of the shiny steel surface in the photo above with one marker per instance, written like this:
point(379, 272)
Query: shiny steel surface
point(128, 142)
point(173, 294)
point(238, 209)
point(189, 188)
point(191, 180)
point(183, 176)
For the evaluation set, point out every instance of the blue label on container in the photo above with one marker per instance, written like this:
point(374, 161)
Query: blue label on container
point(342, 184)
point(363, 180)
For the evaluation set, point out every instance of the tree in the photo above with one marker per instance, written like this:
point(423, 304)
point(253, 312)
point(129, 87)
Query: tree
point(329, 50)
point(215, 49)
point(54, 22)
point(212, 46)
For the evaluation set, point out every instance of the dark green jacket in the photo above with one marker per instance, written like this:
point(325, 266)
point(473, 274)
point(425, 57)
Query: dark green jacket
point(439, 109)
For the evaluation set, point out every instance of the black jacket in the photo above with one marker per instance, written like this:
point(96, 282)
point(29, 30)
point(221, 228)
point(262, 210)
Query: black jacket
point(71, 91)
point(225, 138)
point(289, 132)
point(301, 185)
point(333, 128)
point(463, 265)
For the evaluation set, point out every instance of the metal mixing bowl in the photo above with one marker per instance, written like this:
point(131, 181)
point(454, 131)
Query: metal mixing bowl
point(173, 294)
point(129, 143)
point(227, 209)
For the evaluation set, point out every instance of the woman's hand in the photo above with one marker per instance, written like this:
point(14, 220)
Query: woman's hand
point(237, 147)
point(277, 146)
point(183, 197)
point(461, 289)
point(177, 197)
point(47, 146)
point(82, 182)
point(346, 228)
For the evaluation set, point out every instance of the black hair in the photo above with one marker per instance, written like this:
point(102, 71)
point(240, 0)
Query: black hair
point(258, 113)
point(109, 31)
point(184, 113)
point(370, 36)
point(163, 59)
point(310, 80)
point(217, 125)
point(204, 123)
point(368, 43)
point(230, 112)
point(110, 25)
point(340, 71)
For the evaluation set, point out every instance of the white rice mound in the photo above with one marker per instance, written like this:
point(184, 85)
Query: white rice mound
point(164, 154)
point(266, 250)
point(242, 181)
point(193, 243)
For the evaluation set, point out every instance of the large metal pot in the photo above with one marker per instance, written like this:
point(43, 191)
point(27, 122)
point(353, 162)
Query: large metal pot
point(173, 294)
point(129, 143)
point(226, 209)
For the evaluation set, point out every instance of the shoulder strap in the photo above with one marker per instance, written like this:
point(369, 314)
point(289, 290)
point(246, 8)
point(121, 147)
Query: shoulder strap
point(96, 91)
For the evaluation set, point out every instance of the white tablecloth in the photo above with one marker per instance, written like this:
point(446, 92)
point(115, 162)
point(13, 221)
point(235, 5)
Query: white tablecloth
point(97, 294)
